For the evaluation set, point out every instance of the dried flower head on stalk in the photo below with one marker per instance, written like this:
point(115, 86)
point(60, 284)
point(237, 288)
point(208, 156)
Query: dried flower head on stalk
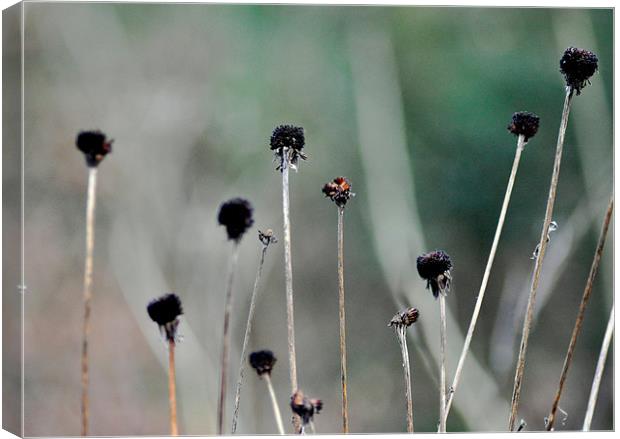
point(435, 268)
point(524, 123)
point(236, 216)
point(165, 312)
point(267, 237)
point(305, 407)
point(94, 145)
point(262, 362)
point(578, 66)
point(406, 317)
point(287, 142)
point(338, 190)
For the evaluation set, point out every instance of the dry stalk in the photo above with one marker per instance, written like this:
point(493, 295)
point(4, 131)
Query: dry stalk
point(442, 381)
point(401, 335)
point(172, 390)
point(274, 403)
point(341, 315)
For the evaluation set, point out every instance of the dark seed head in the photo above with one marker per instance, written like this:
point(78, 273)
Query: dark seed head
point(578, 66)
point(406, 317)
point(435, 267)
point(288, 141)
point(236, 216)
point(305, 407)
point(262, 361)
point(524, 123)
point(338, 190)
point(94, 145)
point(165, 312)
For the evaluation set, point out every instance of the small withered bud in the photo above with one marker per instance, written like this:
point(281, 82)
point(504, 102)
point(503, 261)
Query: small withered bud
point(165, 311)
point(287, 141)
point(236, 216)
point(305, 407)
point(267, 237)
point(262, 362)
point(94, 145)
point(578, 66)
point(406, 317)
point(524, 123)
point(435, 267)
point(339, 191)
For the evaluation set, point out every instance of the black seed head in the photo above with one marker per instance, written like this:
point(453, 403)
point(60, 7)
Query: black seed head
point(94, 146)
point(578, 66)
point(165, 312)
point(304, 407)
point(338, 190)
point(406, 317)
point(262, 361)
point(435, 267)
point(525, 123)
point(288, 141)
point(236, 216)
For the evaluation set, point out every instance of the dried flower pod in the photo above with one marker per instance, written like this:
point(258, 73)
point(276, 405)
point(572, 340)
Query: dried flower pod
point(304, 407)
point(338, 190)
point(524, 123)
point(406, 317)
point(94, 145)
point(287, 141)
point(578, 66)
point(165, 312)
point(262, 361)
point(267, 237)
point(435, 267)
point(236, 216)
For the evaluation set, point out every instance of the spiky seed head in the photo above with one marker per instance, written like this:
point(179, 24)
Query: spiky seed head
point(338, 190)
point(94, 145)
point(305, 407)
point(262, 361)
point(435, 268)
point(578, 66)
point(524, 123)
point(165, 311)
point(406, 317)
point(287, 142)
point(236, 216)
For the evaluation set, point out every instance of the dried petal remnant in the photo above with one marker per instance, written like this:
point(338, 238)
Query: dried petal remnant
point(305, 407)
point(236, 216)
point(524, 123)
point(267, 237)
point(165, 312)
point(435, 268)
point(578, 66)
point(338, 190)
point(94, 145)
point(406, 317)
point(288, 141)
point(262, 361)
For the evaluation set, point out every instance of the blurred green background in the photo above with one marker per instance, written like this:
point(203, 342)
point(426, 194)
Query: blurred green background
point(410, 103)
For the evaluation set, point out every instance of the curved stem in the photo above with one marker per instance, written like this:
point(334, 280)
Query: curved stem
point(172, 390)
point(527, 323)
point(341, 315)
point(580, 315)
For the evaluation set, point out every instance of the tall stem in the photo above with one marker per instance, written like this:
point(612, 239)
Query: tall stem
point(598, 375)
point(527, 323)
point(226, 339)
point(87, 293)
point(246, 338)
point(587, 292)
point(172, 390)
point(401, 334)
point(341, 315)
point(442, 390)
point(274, 403)
point(487, 272)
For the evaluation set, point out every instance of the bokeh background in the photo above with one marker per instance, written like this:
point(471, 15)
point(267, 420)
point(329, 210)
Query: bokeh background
point(411, 103)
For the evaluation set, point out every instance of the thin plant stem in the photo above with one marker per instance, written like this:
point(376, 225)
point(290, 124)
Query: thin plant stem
point(527, 323)
point(598, 375)
point(246, 338)
point(442, 369)
point(587, 292)
point(312, 427)
point(88, 294)
point(226, 339)
point(274, 403)
point(341, 315)
point(288, 274)
point(487, 271)
point(401, 335)
point(172, 390)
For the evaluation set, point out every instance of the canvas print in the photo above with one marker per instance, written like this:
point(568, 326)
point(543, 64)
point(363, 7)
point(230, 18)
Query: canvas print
point(227, 219)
